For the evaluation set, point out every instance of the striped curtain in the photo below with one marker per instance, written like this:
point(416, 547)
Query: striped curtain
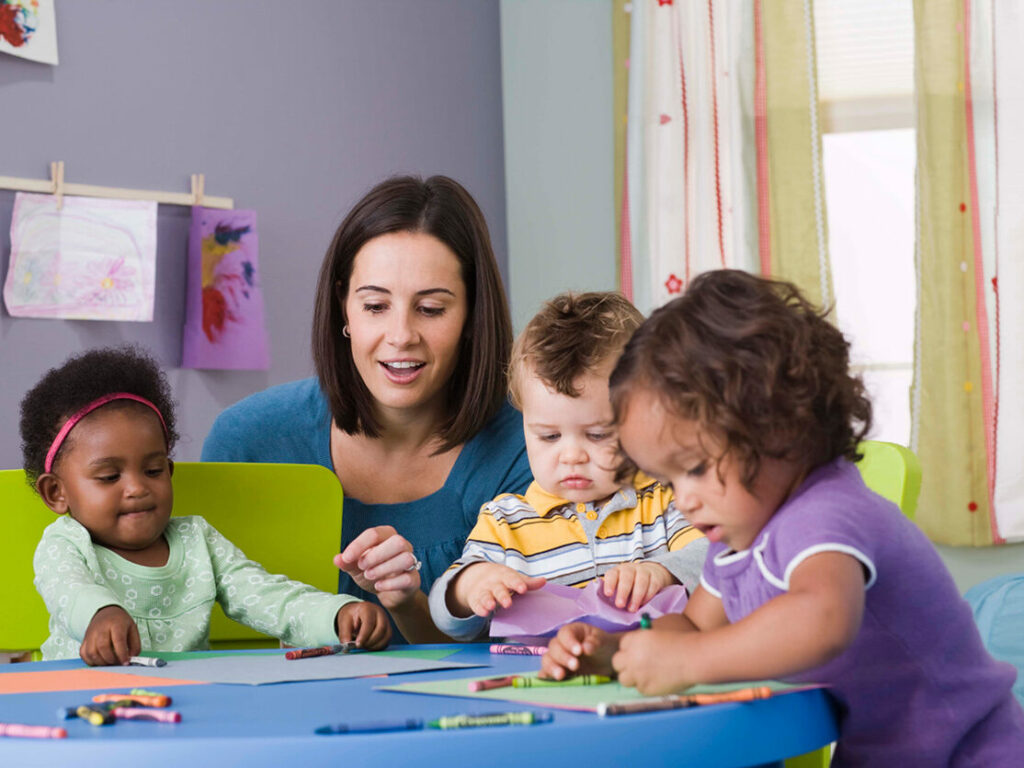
point(720, 148)
point(970, 270)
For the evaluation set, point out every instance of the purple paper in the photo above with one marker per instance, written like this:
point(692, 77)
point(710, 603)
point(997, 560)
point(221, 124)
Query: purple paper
point(224, 308)
point(542, 612)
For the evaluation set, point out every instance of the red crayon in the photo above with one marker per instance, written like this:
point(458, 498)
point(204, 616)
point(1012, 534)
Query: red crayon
point(144, 713)
point(494, 682)
point(16, 730)
point(324, 650)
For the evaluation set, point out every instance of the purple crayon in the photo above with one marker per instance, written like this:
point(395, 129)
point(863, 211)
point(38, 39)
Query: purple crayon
point(145, 713)
point(516, 649)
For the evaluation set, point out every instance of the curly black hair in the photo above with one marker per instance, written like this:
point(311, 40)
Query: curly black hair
point(81, 379)
point(754, 362)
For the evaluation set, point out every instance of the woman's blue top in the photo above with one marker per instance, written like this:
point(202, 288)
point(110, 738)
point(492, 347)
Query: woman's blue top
point(291, 424)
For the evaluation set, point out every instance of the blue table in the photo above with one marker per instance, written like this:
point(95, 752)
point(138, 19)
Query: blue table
point(272, 725)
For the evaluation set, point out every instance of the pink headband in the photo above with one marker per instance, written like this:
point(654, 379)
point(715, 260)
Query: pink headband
point(70, 423)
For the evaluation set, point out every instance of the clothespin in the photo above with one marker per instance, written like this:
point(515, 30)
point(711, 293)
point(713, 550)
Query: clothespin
point(57, 176)
point(198, 182)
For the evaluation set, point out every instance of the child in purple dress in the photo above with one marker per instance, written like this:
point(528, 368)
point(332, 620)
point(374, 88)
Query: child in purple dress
point(738, 394)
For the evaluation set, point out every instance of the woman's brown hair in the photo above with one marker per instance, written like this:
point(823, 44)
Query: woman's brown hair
point(442, 208)
point(754, 363)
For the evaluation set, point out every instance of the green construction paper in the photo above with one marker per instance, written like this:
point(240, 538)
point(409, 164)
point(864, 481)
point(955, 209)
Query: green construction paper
point(580, 697)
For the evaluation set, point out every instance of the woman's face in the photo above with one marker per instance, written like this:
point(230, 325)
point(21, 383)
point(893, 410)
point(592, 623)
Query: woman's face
point(406, 308)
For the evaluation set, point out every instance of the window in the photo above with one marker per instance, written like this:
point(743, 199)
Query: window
point(865, 87)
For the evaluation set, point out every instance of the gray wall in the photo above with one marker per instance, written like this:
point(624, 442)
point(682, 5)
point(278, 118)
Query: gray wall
point(556, 60)
point(292, 109)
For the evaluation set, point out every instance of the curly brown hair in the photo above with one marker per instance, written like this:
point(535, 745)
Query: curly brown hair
point(571, 335)
point(755, 364)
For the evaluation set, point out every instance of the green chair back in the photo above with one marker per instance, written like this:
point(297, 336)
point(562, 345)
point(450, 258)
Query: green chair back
point(24, 624)
point(891, 471)
point(285, 516)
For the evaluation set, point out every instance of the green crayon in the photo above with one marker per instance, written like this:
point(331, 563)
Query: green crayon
point(500, 718)
point(538, 682)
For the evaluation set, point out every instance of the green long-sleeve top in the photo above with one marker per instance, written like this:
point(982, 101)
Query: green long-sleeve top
point(171, 603)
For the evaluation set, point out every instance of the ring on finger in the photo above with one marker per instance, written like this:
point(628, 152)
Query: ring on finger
point(416, 564)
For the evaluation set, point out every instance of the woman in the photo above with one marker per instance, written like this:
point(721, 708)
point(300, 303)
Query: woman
point(411, 338)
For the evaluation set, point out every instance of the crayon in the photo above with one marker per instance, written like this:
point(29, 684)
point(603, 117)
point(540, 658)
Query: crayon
point(146, 713)
point(379, 726)
point(144, 692)
point(95, 715)
point(146, 661)
point(324, 650)
point(744, 694)
point(133, 700)
point(16, 730)
point(491, 683)
point(679, 702)
point(500, 718)
point(515, 649)
point(539, 682)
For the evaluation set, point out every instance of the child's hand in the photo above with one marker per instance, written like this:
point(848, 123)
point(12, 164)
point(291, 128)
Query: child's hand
point(366, 623)
point(579, 649)
point(482, 587)
point(636, 583)
point(111, 638)
point(656, 661)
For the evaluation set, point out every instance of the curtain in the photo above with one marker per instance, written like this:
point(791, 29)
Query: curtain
point(722, 153)
point(970, 100)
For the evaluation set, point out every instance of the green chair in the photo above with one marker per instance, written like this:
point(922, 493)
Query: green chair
point(24, 517)
point(285, 516)
point(892, 471)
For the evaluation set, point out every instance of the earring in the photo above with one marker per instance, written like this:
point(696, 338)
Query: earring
point(345, 332)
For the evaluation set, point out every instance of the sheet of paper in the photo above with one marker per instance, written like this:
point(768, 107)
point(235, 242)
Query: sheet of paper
point(93, 259)
point(79, 679)
point(261, 669)
point(95, 678)
point(28, 29)
point(543, 611)
point(578, 697)
point(224, 326)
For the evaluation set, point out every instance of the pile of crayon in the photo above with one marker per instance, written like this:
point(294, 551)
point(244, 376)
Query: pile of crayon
point(137, 704)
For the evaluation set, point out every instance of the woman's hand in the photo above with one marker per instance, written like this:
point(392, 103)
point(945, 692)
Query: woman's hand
point(111, 638)
point(381, 561)
point(482, 587)
point(365, 623)
point(635, 584)
point(579, 649)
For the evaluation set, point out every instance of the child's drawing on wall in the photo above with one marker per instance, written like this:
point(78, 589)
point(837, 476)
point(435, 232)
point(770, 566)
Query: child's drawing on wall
point(224, 318)
point(91, 259)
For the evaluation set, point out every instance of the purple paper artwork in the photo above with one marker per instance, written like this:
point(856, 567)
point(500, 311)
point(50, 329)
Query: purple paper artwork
point(224, 326)
point(542, 612)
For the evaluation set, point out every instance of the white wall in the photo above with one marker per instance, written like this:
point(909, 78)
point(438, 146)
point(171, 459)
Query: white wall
point(556, 67)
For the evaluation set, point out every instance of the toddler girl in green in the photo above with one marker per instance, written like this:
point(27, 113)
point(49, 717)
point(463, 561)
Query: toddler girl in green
point(118, 574)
